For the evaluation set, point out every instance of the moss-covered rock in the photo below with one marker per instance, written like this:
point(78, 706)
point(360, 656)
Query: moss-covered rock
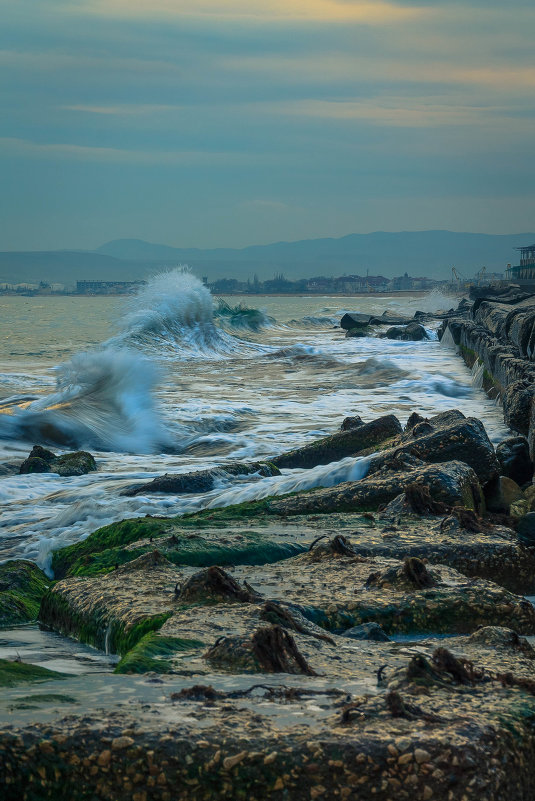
point(13, 673)
point(152, 652)
point(118, 543)
point(22, 585)
point(42, 460)
point(120, 613)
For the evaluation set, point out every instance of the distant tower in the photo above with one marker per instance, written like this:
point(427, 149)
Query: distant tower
point(205, 279)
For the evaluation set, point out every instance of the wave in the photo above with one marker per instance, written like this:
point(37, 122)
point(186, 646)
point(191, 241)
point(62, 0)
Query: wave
point(434, 301)
point(242, 317)
point(103, 400)
point(308, 354)
point(375, 372)
point(174, 314)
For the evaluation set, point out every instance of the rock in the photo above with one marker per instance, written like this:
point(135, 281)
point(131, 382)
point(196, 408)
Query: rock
point(22, 585)
point(367, 631)
point(413, 332)
point(41, 460)
point(271, 649)
point(454, 483)
point(345, 443)
point(517, 402)
point(501, 493)
point(513, 456)
point(214, 584)
point(74, 464)
point(351, 422)
point(358, 332)
point(201, 480)
point(525, 529)
point(501, 637)
point(461, 440)
point(120, 743)
point(414, 420)
point(355, 321)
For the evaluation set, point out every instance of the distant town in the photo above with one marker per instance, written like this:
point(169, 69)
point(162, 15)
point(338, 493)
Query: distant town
point(278, 285)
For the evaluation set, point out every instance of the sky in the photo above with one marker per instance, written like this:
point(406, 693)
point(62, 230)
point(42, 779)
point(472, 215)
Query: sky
point(215, 123)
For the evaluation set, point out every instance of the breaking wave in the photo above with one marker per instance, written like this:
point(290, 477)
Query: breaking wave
point(174, 313)
point(103, 400)
point(242, 317)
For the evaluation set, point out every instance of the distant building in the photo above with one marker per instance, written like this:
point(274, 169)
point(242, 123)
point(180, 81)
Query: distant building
point(107, 287)
point(525, 271)
point(401, 282)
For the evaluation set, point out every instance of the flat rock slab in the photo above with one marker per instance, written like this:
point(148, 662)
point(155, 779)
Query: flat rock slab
point(292, 737)
point(333, 592)
point(218, 537)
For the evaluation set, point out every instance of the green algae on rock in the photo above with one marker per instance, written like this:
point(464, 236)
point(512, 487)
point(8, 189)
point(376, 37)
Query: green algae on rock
point(22, 585)
point(42, 460)
point(13, 673)
point(111, 620)
point(122, 542)
point(151, 652)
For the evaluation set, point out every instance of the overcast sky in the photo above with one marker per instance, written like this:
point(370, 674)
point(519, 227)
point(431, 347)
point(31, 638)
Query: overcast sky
point(233, 122)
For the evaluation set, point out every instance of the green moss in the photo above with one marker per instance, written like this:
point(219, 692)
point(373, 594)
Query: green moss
point(97, 630)
point(22, 585)
point(469, 355)
point(114, 535)
point(33, 701)
point(13, 673)
point(196, 553)
point(149, 654)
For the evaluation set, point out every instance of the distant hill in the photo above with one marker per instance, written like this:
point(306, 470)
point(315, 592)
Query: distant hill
point(420, 253)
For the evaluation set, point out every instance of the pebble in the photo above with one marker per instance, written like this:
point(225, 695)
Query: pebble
point(104, 758)
point(231, 761)
point(118, 743)
point(420, 755)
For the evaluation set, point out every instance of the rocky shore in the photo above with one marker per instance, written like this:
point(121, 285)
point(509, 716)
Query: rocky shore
point(369, 640)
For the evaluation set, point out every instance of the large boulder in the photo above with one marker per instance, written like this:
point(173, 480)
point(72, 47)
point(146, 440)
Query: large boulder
point(444, 438)
point(515, 463)
point(41, 460)
point(201, 480)
point(413, 332)
point(501, 493)
point(452, 483)
point(22, 585)
point(344, 443)
point(517, 405)
point(354, 321)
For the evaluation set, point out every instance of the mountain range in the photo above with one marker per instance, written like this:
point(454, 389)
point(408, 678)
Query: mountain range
point(420, 253)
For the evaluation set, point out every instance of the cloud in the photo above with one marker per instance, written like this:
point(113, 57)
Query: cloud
point(399, 111)
point(132, 109)
point(188, 158)
point(335, 11)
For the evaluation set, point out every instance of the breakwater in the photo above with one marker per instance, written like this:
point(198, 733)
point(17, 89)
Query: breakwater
point(497, 335)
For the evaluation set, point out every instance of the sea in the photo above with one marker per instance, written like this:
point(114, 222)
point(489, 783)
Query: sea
point(173, 380)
